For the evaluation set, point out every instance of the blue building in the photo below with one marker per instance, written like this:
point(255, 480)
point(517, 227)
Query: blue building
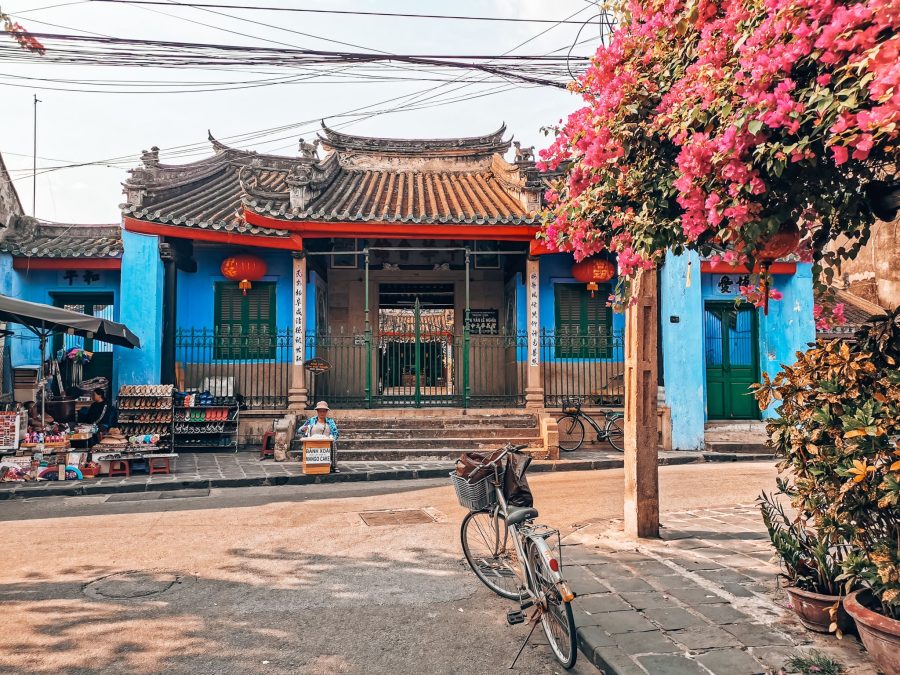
point(388, 273)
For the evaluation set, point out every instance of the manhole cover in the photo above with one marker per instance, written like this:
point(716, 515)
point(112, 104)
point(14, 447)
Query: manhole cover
point(135, 584)
point(398, 517)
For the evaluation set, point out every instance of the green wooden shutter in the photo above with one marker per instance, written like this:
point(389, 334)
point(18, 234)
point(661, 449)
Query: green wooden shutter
point(260, 308)
point(583, 323)
point(245, 324)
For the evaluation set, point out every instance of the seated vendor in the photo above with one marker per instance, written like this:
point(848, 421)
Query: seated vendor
point(34, 416)
point(321, 425)
point(99, 412)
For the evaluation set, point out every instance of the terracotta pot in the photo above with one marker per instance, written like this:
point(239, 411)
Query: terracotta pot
point(813, 610)
point(880, 634)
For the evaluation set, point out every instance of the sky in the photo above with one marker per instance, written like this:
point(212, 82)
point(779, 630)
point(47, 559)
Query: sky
point(76, 127)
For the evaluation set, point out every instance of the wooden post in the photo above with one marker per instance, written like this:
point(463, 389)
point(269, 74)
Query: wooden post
point(641, 458)
point(297, 393)
point(534, 389)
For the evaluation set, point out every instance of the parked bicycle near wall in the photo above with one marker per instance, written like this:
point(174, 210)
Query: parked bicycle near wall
point(571, 426)
point(509, 552)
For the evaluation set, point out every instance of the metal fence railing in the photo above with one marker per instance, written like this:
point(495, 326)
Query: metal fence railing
point(370, 370)
point(587, 366)
point(255, 367)
point(384, 369)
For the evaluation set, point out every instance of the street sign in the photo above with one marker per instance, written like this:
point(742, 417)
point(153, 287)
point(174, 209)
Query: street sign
point(317, 366)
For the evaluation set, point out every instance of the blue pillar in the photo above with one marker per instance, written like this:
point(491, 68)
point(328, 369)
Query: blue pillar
point(141, 309)
point(24, 345)
point(682, 344)
point(789, 327)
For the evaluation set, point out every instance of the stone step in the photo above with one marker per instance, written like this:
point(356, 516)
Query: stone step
point(466, 421)
point(399, 454)
point(429, 433)
point(459, 444)
point(736, 426)
point(741, 448)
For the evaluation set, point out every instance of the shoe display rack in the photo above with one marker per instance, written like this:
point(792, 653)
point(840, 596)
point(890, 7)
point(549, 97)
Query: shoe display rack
point(146, 410)
point(204, 422)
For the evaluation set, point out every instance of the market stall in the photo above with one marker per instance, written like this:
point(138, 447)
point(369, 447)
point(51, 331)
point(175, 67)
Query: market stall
point(34, 445)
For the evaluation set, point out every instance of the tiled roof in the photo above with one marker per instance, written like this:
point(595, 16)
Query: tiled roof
point(475, 197)
point(211, 202)
point(856, 310)
point(30, 238)
point(455, 181)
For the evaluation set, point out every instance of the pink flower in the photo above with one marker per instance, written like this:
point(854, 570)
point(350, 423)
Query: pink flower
point(840, 154)
point(823, 80)
point(838, 314)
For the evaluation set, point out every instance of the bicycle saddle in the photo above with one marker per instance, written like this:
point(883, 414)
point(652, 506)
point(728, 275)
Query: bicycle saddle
point(519, 514)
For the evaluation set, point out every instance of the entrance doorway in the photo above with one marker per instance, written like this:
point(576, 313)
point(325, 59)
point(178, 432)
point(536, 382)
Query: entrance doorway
point(100, 365)
point(732, 362)
point(415, 345)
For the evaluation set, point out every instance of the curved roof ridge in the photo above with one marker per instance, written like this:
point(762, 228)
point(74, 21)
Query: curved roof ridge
point(464, 145)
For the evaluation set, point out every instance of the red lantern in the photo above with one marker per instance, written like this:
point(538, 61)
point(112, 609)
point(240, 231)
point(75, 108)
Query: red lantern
point(593, 271)
point(244, 268)
point(782, 243)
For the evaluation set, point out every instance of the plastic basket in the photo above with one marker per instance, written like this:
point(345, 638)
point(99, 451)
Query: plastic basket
point(474, 496)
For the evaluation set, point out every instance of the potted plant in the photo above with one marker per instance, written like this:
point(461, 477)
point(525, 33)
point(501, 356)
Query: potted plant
point(838, 433)
point(810, 565)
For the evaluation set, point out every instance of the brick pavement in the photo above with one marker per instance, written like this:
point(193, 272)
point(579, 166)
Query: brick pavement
point(703, 599)
point(244, 469)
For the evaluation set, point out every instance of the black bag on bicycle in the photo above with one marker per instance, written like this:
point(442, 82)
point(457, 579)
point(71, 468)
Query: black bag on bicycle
point(473, 466)
point(515, 484)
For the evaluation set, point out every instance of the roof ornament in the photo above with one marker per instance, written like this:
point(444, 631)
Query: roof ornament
point(298, 181)
point(523, 154)
point(150, 158)
point(309, 150)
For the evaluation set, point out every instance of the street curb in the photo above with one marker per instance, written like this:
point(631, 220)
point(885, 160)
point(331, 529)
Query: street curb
point(51, 489)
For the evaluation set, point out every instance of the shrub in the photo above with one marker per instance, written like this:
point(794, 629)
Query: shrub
point(838, 434)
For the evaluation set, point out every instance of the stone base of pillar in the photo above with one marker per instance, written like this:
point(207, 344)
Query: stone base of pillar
point(298, 399)
point(534, 397)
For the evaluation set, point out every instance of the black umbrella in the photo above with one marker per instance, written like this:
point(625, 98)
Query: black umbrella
point(44, 320)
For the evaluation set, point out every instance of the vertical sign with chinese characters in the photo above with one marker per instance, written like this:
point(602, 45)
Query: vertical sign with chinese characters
point(299, 280)
point(534, 320)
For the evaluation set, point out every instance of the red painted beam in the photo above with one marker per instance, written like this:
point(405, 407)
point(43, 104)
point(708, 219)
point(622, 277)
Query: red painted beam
point(724, 268)
point(322, 230)
point(292, 242)
point(539, 247)
point(28, 263)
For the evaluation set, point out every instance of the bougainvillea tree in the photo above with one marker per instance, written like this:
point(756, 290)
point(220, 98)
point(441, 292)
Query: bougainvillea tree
point(715, 125)
point(18, 33)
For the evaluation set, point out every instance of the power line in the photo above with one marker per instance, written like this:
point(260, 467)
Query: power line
point(200, 5)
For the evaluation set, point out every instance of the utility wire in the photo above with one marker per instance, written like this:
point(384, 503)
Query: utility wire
point(200, 5)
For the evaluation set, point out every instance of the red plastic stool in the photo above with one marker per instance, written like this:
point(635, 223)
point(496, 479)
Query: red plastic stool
point(265, 450)
point(159, 465)
point(119, 467)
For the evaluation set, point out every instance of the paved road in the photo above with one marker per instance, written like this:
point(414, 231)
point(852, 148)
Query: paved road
point(284, 580)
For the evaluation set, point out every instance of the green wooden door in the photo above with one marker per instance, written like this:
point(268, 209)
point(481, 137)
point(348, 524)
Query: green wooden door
point(732, 363)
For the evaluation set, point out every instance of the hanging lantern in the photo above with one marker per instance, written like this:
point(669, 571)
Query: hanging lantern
point(244, 268)
point(594, 271)
point(782, 243)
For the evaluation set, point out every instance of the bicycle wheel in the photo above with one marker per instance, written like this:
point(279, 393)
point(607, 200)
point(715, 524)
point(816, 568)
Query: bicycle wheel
point(556, 617)
point(491, 553)
point(571, 432)
point(615, 432)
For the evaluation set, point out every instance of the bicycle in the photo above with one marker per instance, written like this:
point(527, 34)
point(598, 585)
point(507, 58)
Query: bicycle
point(509, 553)
point(571, 427)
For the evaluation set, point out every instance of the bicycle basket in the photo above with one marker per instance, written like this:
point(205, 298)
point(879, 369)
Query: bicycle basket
point(571, 405)
point(476, 496)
